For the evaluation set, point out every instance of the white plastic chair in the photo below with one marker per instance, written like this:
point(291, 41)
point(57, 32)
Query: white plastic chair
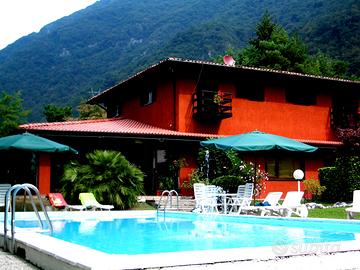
point(355, 206)
point(210, 203)
point(243, 198)
point(291, 205)
point(199, 194)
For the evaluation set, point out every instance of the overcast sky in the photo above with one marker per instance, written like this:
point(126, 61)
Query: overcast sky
point(21, 17)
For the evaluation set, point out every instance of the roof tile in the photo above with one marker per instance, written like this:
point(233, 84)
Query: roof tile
point(123, 126)
point(111, 125)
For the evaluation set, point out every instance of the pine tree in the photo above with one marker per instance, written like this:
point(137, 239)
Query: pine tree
point(12, 113)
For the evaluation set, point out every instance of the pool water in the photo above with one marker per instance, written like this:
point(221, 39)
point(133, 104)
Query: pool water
point(192, 232)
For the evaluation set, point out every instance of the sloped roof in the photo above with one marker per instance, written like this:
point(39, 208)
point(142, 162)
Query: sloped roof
point(169, 60)
point(112, 126)
point(129, 127)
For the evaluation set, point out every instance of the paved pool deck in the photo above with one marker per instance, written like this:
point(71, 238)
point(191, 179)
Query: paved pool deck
point(338, 261)
point(9, 261)
point(335, 261)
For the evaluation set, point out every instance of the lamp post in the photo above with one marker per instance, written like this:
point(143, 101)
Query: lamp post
point(298, 175)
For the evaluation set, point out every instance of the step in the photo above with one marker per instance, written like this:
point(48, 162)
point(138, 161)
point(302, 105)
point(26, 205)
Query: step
point(186, 203)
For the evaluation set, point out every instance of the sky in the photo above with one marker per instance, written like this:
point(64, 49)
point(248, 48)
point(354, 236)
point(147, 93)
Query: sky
point(19, 18)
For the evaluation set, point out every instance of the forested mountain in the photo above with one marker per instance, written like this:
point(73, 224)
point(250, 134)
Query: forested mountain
point(97, 47)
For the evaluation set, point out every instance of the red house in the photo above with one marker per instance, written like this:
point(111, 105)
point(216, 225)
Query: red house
point(172, 105)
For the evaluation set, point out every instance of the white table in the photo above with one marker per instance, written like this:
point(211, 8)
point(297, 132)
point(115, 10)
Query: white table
point(224, 198)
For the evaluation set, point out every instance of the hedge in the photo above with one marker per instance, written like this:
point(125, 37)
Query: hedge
point(340, 181)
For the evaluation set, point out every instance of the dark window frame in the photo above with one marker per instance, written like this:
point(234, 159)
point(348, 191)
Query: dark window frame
point(277, 160)
point(253, 91)
point(298, 97)
point(148, 95)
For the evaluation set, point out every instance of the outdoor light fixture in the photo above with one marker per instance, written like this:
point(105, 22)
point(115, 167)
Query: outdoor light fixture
point(298, 175)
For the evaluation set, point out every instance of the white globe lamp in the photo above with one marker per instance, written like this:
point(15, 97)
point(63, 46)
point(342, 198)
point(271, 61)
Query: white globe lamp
point(298, 175)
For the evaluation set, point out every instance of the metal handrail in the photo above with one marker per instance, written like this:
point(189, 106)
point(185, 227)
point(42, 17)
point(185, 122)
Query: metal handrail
point(169, 195)
point(13, 192)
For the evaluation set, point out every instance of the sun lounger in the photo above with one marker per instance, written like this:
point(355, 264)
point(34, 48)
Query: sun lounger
point(291, 205)
point(271, 199)
point(57, 201)
point(355, 206)
point(3, 189)
point(89, 201)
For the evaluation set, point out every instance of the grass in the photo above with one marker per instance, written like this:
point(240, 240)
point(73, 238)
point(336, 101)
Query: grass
point(143, 206)
point(338, 213)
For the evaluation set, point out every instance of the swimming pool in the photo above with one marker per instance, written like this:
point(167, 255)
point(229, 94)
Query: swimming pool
point(176, 232)
point(141, 239)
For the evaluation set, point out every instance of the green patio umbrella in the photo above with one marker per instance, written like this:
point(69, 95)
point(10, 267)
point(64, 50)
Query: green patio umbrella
point(258, 141)
point(30, 142)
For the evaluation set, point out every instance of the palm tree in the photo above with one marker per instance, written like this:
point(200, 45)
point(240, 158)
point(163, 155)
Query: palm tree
point(107, 174)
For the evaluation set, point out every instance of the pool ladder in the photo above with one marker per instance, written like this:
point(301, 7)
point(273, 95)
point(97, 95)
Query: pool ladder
point(168, 194)
point(11, 197)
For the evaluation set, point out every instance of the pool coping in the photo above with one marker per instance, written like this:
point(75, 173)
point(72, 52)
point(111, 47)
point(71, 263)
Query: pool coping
point(51, 253)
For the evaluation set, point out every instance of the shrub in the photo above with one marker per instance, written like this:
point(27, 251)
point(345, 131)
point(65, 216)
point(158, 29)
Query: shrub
point(196, 176)
point(314, 188)
point(229, 183)
point(108, 175)
point(348, 170)
point(328, 178)
point(341, 180)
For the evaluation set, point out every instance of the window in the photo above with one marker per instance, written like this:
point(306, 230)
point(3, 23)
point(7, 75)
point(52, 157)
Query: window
point(113, 110)
point(300, 97)
point(207, 83)
point(283, 168)
point(250, 90)
point(148, 96)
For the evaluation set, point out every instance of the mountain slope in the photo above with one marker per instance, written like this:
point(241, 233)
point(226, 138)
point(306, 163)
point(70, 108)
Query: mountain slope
point(97, 47)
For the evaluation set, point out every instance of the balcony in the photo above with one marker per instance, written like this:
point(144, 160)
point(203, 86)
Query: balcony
point(210, 106)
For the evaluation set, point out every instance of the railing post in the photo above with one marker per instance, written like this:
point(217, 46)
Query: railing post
point(11, 194)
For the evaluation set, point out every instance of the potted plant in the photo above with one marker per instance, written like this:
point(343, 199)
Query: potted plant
point(218, 98)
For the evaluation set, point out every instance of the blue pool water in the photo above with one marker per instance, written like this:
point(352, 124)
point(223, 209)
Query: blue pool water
point(190, 232)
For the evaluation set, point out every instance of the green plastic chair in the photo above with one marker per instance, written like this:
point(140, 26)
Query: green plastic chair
point(89, 201)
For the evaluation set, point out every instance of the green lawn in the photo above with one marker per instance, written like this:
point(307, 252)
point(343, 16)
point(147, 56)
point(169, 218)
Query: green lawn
point(143, 206)
point(338, 213)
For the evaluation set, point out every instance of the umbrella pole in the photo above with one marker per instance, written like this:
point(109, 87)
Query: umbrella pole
point(254, 194)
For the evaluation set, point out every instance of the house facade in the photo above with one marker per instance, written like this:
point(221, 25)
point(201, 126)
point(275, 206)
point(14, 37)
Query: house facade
point(190, 101)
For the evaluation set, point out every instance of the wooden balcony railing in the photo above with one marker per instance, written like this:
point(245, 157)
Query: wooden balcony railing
point(211, 106)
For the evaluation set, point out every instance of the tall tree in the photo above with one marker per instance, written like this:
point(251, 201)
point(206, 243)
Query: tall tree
point(55, 113)
point(12, 113)
point(88, 111)
point(264, 29)
point(274, 48)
